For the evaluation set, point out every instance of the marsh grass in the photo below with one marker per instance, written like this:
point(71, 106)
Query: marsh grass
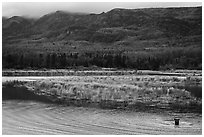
point(124, 92)
point(121, 92)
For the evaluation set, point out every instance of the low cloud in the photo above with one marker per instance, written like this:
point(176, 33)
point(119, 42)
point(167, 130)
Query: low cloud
point(37, 9)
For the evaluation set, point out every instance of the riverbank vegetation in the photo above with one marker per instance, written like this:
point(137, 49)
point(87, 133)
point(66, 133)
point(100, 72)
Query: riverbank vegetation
point(121, 92)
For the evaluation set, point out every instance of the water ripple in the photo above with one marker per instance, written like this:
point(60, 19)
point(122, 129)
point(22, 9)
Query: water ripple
point(30, 117)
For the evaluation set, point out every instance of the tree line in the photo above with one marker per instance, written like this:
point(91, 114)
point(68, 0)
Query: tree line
point(182, 58)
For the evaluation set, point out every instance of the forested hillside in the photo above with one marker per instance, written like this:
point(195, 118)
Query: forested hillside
point(151, 38)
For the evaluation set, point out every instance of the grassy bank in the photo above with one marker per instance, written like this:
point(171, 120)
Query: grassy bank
point(125, 92)
point(97, 72)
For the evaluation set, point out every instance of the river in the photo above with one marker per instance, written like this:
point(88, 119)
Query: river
point(33, 118)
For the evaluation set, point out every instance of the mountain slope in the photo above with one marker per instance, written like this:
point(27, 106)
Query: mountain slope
point(62, 25)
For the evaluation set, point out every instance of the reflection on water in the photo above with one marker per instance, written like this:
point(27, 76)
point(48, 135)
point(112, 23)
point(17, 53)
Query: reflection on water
point(20, 93)
point(195, 90)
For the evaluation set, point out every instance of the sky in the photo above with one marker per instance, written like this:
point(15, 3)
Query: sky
point(38, 9)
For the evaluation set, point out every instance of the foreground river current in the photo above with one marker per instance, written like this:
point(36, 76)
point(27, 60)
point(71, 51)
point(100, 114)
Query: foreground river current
point(32, 117)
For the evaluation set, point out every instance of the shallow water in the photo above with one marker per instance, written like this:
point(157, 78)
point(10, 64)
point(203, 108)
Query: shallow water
point(32, 117)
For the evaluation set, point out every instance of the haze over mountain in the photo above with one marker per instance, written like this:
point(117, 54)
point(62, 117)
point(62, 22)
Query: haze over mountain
point(38, 9)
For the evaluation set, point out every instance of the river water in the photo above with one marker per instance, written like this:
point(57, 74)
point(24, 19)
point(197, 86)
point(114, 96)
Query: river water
point(33, 117)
